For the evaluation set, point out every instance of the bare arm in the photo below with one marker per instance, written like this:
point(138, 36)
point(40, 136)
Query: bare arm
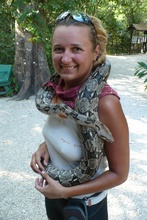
point(111, 114)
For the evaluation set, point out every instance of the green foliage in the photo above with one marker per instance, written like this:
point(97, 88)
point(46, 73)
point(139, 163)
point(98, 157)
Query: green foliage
point(7, 46)
point(37, 17)
point(14, 88)
point(134, 11)
point(141, 71)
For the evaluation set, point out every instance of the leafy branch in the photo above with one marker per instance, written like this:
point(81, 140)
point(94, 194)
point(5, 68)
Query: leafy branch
point(141, 71)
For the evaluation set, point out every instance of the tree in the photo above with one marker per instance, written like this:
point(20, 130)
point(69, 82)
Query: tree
point(30, 66)
point(34, 22)
point(33, 35)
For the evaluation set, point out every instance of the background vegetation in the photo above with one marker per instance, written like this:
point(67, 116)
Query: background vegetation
point(37, 18)
point(141, 72)
point(116, 16)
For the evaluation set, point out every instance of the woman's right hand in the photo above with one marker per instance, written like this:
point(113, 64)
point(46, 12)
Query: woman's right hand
point(40, 158)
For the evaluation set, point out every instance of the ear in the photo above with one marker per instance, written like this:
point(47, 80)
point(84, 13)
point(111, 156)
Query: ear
point(96, 52)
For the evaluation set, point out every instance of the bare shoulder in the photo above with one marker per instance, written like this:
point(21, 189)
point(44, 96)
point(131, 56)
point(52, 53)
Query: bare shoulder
point(110, 111)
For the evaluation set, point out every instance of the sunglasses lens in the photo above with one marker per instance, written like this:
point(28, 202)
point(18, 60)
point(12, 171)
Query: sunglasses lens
point(62, 16)
point(77, 16)
point(81, 17)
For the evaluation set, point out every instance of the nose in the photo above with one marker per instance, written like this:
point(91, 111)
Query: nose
point(66, 57)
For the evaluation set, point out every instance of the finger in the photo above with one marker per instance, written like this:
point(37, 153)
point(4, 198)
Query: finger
point(40, 184)
point(46, 159)
point(44, 163)
point(49, 180)
point(33, 165)
point(37, 185)
point(46, 177)
point(39, 161)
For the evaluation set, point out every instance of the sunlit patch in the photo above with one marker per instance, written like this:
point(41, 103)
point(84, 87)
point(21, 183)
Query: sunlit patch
point(37, 128)
point(15, 176)
point(8, 142)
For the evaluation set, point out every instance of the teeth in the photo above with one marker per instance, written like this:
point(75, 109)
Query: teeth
point(68, 68)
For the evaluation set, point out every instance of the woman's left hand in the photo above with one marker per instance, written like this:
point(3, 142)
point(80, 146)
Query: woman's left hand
point(49, 187)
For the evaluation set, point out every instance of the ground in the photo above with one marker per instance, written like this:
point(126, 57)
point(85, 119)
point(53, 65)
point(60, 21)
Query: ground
point(20, 128)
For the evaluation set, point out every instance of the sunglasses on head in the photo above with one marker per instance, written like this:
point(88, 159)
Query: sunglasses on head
point(77, 16)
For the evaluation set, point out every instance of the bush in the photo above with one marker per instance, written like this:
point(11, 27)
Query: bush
point(7, 43)
point(141, 71)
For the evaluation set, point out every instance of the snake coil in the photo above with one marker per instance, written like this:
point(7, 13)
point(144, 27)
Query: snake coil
point(85, 114)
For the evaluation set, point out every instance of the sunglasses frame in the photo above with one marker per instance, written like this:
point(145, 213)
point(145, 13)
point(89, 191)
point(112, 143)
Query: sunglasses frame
point(77, 16)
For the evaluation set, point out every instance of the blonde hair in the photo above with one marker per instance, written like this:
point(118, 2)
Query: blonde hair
point(98, 35)
point(102, 39)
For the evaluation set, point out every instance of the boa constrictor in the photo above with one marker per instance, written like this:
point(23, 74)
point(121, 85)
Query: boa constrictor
point(92, 131)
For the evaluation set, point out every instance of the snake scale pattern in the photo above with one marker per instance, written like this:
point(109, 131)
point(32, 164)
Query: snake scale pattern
point(85, 114)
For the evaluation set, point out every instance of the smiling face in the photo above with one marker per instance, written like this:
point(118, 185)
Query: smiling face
point(73, 54)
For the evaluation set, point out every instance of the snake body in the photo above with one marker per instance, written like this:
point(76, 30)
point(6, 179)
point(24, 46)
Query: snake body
point(85, 114)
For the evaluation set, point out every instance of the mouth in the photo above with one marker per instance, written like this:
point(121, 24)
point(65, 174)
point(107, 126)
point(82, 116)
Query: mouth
point(68, 67)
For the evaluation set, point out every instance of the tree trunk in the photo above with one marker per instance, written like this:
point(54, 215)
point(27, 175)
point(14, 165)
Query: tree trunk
point(30, 67)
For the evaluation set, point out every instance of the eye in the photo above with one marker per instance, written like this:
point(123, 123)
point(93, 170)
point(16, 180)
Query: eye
point(77, 49)
point(58, 50)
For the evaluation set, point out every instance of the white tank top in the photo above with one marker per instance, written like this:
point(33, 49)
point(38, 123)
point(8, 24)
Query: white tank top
point(63, 142)
point(65, 150)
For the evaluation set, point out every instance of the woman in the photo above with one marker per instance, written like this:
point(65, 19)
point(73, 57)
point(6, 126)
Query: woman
point(78, 47)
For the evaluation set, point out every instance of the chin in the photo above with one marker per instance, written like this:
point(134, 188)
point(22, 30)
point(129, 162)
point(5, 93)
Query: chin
point(67, 76)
